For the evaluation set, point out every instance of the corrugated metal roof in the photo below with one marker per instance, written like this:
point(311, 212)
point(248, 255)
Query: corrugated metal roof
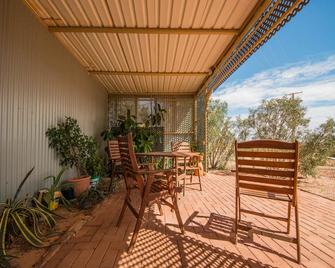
point(196, 34)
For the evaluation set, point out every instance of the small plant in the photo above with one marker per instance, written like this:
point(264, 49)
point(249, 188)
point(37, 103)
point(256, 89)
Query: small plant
point(56, 187)
point(24, 217)
point(94, 165)
point(90, 198)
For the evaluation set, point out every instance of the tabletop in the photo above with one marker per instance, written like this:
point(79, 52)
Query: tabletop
point(170, 154)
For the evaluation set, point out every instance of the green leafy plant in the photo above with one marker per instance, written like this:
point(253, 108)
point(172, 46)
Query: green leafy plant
point(220, 137)
point(143, 140)
point(94, 165)
point(317, 146)
point(143, 136)
point(127, 124)
point(156, 118)
point(90, 198)
point(24, 217)
point(71, 145)
point(56, 186)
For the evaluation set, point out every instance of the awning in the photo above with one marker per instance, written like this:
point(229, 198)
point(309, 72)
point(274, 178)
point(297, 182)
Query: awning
point(162, 47)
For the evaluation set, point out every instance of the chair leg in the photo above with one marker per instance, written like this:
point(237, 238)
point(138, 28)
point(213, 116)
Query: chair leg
point(289, 218)
point(239, 210)
point(200, 181)
point(191, 178)
point(297, 233)
point(236, 216)
point(184, 186)
point(176, 210)
point(124, 206)
point(112, 177)
point(137, 226)
point(160, 208)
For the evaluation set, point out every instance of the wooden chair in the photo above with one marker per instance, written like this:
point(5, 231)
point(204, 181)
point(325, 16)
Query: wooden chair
point(115, 159)
point(186, 165)
point(155, 186)
point(268, 169)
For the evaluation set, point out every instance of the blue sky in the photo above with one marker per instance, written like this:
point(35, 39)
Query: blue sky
point(300, 57)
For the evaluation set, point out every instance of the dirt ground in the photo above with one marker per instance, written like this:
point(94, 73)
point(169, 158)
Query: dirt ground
point(28, 256)
point(323, 183)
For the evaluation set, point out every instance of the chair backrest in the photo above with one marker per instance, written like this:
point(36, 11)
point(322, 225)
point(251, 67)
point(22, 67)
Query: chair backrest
point(127, 153)
point(267, 165)
point(113, 150)
point(181, 146)
point(129, 163)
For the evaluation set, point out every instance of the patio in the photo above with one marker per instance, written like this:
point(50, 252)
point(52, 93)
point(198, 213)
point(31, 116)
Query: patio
point(208, 219)
point(136, 56)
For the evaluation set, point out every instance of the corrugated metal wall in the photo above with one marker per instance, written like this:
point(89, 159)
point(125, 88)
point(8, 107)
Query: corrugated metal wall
point(40, 83)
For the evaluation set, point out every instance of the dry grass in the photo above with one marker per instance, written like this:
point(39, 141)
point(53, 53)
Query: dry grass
point(323, 183)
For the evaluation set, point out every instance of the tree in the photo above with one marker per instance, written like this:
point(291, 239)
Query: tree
point(285, 119)
point(220, 137)
point(317, 146)
point(282, 118)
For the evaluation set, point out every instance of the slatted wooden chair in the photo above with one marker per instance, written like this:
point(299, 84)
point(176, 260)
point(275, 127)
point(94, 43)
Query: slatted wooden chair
point(155, 186)
point(187, 165)
point(115, 159)
point(268, 169)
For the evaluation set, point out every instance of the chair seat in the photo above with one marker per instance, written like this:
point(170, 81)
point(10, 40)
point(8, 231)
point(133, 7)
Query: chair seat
point(159, 185)
point(267, 195)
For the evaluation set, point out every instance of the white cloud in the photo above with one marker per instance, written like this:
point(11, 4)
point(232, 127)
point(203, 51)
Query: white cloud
point(315, 79)
point(320, 114)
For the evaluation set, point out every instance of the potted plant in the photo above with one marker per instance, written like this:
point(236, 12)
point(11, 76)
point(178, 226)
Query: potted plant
point(24, 217)
point(73, 148)
point(53, 194)
point(94, 167)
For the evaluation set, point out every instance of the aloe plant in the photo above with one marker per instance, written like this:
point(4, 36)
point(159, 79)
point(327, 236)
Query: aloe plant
point(24, 217)
point(56, 186)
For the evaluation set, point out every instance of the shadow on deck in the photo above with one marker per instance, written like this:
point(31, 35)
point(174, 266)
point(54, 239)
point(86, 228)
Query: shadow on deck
point(208, 219)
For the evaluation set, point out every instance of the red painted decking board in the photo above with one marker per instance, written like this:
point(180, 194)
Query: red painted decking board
point(208, 218)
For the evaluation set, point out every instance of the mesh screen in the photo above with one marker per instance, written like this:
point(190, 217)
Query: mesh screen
point(179, 118)
point(201, 121)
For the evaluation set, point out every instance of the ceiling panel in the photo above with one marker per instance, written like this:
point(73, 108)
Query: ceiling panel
point(146, 52)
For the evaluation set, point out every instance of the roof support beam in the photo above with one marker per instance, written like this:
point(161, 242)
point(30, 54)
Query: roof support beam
point(129, 30)
point(150, 73)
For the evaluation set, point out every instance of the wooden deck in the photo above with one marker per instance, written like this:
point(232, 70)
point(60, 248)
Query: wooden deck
point(208, 218)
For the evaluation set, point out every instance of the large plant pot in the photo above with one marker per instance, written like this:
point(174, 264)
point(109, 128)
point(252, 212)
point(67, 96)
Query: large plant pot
point(80, 184)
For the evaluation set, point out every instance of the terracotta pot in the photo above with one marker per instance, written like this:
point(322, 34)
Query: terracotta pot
point(80, 184)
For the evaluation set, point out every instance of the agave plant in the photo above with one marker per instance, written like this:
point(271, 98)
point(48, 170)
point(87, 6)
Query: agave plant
point(56, 186)
point(24, 217)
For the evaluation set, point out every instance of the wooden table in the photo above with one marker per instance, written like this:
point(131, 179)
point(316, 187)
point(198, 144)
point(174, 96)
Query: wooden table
point(173, 156)
point(164, 155)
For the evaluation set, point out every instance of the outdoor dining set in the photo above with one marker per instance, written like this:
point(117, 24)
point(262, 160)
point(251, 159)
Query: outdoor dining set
point(265, 169)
